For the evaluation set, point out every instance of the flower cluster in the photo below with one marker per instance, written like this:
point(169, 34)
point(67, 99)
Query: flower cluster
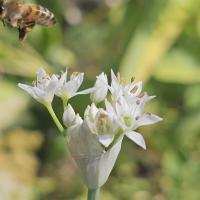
point(95, 139)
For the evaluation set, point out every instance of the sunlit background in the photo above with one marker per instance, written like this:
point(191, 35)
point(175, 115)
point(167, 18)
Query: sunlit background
point(156, 41)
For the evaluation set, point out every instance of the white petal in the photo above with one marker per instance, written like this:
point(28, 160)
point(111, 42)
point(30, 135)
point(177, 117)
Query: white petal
point(52, 86)
point(122, 107)
point(78, 119)
point(106, 140)
point(43, 97)
point(109, 108)
point(116, 87)
point(102, 81)
point(147, 119)
point(87, 91)
point(70, 88)
point(114, 80)
point(63, 78)
point(100, 89)
point(91, 112)
point(99, 94)
point(78, 79)
point(137, 138)
point(28, 89)
point(41, 74)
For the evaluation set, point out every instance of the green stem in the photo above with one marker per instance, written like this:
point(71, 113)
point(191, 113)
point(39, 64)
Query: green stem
point(65, 101)
point(93, 194)
point(55, 119)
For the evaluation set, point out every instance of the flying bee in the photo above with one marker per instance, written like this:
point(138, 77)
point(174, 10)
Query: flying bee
point(24, 16)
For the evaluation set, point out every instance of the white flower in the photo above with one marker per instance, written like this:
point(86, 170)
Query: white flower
point(129, 91)
point(116, 87)
point(101, 123)
point(100, 89)
point(44, 89)
point(93, 161)
point(131, 116)
point(68, 88)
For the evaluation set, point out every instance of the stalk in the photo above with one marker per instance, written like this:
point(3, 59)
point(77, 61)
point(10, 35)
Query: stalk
point(55, 119)
point(93, 194)
point(65, 101)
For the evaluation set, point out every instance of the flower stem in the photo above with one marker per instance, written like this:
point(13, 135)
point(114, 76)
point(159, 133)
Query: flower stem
point(65, 101)
point(55, 119)
point(93, 194)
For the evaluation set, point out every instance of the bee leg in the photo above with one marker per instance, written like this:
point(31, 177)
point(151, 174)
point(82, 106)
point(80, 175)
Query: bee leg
point(22, 33)
point(24, 30)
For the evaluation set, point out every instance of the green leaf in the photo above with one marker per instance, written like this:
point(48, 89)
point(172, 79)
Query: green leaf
point(148, 45)
point(178, 67)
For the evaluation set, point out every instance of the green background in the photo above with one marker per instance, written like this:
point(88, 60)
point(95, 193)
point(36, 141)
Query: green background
point(155, 41)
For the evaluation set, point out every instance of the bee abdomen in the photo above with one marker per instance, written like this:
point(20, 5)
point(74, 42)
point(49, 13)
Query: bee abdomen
point(39, 14)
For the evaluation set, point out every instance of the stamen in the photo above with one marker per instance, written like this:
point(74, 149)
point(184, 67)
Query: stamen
point(142, 94)
point(34, 83)
point(118, 77)
point(135, 88)
point(132, 79)
point(74, 74)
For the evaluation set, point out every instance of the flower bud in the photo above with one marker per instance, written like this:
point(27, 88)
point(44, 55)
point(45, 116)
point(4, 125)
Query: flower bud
point(101, 89)
point(69, 116)
point(91, 112)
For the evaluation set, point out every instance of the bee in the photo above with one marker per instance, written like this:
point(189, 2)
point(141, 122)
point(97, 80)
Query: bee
point(24, 16)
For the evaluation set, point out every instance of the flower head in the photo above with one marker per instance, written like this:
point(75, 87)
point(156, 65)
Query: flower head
point(95, 140)
point(68, 88)
point(127, 105)
point(44, 89)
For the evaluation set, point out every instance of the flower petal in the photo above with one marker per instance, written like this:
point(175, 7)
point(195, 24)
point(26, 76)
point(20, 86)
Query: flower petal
point(137, 138)
point(147, 119)
point(87, 91)
point(106, 140)
point(41, 74)
point(52, 86)
point(109, 108)
point(29, 89)
point(37, 93)
point(63, 78)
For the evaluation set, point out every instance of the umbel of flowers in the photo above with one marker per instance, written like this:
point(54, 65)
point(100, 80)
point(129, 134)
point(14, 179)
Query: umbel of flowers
point(95, 139)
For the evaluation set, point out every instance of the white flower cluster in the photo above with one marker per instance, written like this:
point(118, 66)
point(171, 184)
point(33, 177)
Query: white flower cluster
point(95, 140)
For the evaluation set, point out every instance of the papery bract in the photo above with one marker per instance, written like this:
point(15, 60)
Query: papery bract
point(93, 161)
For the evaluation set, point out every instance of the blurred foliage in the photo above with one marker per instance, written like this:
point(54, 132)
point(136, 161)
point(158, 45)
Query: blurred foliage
point(157, 41)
